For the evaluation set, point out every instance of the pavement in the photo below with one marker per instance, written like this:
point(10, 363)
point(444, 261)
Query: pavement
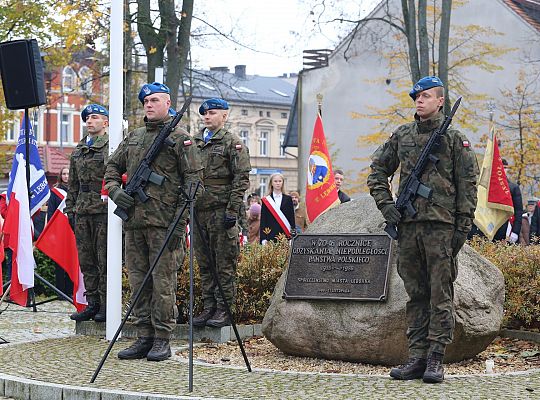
point(44, 360)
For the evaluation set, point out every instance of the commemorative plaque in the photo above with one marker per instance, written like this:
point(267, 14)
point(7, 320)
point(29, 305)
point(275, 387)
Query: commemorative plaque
point(339, 267)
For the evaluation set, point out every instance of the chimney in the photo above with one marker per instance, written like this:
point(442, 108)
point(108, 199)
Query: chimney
point(240, 71)
point(220, 69)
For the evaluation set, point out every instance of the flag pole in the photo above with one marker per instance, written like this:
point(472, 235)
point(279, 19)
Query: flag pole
point(319, 103)
point(28, 184)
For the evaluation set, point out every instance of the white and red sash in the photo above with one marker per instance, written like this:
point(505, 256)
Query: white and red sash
point(61, 193)
point(277, 214)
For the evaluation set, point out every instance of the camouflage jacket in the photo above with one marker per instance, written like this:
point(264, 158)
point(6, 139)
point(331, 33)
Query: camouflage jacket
point(453, 178)
point(180, 165)
point(226, 171)
point(86, 170)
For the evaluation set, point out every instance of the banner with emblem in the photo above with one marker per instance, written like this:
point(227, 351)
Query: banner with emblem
point(39, 188)
point(321, 190)
point(494, 206)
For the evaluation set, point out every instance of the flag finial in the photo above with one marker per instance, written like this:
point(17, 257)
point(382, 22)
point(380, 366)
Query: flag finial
point(319, 103)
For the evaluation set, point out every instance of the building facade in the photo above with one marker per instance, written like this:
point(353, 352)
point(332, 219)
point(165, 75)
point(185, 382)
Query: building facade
point(259, 112)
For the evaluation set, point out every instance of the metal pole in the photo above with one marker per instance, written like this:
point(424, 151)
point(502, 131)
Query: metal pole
point(28, 184)
point(114, 225)
point(191, 295)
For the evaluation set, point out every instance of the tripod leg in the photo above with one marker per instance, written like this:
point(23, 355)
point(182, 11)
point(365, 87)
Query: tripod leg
point(213, 268)
point(139, 291)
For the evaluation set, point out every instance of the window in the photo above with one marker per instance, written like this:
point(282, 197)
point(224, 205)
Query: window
point(283, 115)
point(261, 114)
point(244, 135)
point(85, 75)
point(263, 143)
point(263, 182)
point(244, 112)
point(65, 128)
point(12, 133)
point(281, 141)
point(69, 79)
point(268, 114)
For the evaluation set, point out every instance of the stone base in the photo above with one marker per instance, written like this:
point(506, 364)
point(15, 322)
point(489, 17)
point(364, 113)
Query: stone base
point(181, 331)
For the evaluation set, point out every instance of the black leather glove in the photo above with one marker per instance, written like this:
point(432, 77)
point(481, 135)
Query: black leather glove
point(176, 238)
point(458, 240)
point(391, 214)
point(121, 198)
point(71, 219)
point(229, 221)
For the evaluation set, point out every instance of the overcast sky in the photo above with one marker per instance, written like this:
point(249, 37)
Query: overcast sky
point(273, 32)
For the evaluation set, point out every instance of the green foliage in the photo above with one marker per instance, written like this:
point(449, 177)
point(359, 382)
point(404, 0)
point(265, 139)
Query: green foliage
point(259, 269)
point(45, 267)
point(520, 266)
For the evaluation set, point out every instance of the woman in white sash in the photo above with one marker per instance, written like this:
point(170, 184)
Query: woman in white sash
point(277, 212)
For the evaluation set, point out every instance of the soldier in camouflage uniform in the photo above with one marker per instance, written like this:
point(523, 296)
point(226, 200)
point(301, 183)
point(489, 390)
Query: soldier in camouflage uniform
point(226, 178)
point(87, 212)
point(430, 242)
point(145, 230)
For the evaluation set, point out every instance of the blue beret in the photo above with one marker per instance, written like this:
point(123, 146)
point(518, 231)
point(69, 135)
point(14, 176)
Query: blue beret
point(213, 104)
point(172, 112)
point(93, 109)
point(151, 88)
point(427, 82)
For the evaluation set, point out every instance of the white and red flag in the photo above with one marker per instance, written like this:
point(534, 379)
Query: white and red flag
point(58, 242)
point(18, 226)
point(494, 206)
point(321, 190)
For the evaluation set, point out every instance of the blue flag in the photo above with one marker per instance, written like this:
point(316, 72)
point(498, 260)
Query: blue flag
point(39, 187)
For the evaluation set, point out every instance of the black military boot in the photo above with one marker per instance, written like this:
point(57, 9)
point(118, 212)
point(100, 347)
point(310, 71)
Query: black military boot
point(413, 369)
point(205, 315)
point(219, 319)
point(101, 315)
point(434, 370)
point(87, 314)
point(139, 349)
point(161, 350)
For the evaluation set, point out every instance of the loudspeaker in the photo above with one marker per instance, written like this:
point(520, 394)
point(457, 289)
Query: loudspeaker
point(22, 74)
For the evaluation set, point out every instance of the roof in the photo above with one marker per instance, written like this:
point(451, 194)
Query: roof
point(53, 159)
point(529, 10)
point(241, 88)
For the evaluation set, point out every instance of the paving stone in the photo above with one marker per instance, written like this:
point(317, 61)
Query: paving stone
point(16, 389)
point(39, 391)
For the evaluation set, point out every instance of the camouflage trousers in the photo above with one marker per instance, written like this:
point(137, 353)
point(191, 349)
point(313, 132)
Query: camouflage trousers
point(155, 312)
point(225, 249)
point(428, 271)
point(91, 236)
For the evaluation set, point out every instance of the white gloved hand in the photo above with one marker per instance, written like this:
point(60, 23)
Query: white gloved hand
point(513, 237)
point(264, 241)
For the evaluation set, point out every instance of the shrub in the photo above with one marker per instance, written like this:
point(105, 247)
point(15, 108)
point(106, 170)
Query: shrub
point(259, 269)
point(520, 266)
point(45, 267)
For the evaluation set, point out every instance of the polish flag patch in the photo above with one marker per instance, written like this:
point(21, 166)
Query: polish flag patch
point(466, 143)
point(238, 147)
point(187, 142)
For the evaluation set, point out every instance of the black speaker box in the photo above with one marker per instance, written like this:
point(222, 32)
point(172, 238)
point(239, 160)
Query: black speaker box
point(22, 74)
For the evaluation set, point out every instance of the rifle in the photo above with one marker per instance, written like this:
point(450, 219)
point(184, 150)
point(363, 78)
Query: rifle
point(138, 181)
point(413, 187)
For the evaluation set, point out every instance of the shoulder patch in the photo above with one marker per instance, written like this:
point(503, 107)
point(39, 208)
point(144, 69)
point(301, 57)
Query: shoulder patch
point(238, 147)
point(187, 142)
point(466, 143)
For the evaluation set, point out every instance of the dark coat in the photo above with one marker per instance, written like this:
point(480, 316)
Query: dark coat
point(518, 212)
point(343, 197)
point(54, 201)
point(270, 228)
point(535, 224)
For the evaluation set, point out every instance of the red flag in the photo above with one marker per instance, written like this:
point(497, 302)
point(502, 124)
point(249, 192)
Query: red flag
point(19, 228)
point(321, 190)
point(58, 242)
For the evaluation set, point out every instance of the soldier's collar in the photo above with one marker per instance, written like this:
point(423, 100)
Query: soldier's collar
point(429, 124)
point(151, 125)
